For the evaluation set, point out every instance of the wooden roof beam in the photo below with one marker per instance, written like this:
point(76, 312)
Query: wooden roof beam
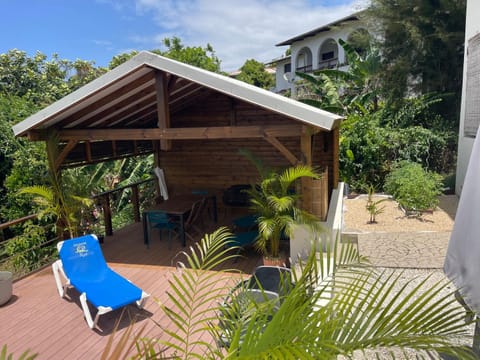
point(221, 132)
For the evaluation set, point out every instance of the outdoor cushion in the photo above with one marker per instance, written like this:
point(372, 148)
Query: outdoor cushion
point(83, 266)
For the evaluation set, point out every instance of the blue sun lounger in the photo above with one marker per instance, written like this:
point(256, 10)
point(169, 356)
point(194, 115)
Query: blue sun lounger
point(83, 267)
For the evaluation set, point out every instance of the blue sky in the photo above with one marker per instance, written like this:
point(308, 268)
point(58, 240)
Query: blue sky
point(97, 30)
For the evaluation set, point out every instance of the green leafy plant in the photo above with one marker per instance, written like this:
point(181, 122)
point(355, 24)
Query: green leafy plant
point(354, 90)
point(415, 189)
point(372, 205)
point(275, 202)
point(30, 250)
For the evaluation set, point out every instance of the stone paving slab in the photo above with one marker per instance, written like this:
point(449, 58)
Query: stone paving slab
point(416, 250)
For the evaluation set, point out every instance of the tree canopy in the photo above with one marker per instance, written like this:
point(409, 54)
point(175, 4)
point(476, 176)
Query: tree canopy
point(253, 72)
point(422, 46)
point(202, 57)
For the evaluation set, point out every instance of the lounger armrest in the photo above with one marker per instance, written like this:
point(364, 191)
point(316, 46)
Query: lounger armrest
point(57, 268)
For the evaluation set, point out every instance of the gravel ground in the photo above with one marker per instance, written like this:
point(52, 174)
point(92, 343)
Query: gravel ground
point(393, 219)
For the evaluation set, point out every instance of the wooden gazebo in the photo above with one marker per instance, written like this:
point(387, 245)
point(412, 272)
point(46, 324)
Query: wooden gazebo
point(195, 122)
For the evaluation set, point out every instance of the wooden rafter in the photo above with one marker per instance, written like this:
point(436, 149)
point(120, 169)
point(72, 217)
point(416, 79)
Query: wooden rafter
point(92, 109)
point(110, 114)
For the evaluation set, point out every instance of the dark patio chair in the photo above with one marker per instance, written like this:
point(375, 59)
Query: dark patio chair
point(193, 225)
point(265, 289)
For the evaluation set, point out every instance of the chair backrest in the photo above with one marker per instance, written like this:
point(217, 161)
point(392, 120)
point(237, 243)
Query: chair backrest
point(157, 217)
point(82, 257)
point(197, 208)
point(272, 278)
point(258, 297)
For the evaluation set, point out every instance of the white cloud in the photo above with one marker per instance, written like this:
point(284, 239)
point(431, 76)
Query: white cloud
point(239, 30)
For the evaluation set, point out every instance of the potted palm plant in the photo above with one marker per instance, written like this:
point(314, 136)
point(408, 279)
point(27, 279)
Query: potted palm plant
point(275, 202)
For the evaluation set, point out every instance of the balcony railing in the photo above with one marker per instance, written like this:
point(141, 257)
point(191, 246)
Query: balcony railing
point(34, 245)
point(32, 249)
point(137, 200)
point(328, 64)
point(304, 69)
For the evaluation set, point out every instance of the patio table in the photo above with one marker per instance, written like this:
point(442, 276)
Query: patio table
point(178, 208)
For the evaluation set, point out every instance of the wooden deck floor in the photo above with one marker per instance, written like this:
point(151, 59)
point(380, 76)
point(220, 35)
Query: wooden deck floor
point(36, 318)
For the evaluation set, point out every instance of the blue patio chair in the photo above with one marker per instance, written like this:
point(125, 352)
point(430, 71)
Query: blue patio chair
point(161, 221)
point(246, 222)
point(242, 240)
point(83, 267)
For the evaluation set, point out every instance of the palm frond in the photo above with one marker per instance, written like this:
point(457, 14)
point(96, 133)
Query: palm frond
point(192, 292)
point(41, 191)
point(4, 355)
point(342, 306)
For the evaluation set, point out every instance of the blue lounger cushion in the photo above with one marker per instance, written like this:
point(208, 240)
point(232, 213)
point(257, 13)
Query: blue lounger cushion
point(83, 266)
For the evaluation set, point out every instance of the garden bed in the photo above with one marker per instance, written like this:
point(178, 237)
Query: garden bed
point(393, 219)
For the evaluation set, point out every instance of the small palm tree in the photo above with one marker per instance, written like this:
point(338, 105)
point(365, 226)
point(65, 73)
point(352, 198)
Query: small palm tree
point(67, 211)
point(55, 202)
point(275, 202)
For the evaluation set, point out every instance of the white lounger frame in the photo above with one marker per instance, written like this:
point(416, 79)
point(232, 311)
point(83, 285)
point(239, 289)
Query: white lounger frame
point(57, 267)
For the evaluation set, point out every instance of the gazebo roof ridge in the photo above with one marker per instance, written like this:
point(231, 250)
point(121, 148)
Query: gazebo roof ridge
point(143, 63)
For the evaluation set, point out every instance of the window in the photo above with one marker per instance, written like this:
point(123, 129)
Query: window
point(287, 68)
point(328, 55)
point(304, 60)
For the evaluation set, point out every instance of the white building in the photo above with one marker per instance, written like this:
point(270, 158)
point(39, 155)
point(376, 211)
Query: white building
point(314, 50)
point(470, 109)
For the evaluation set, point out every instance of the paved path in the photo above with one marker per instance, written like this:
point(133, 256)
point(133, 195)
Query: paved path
point(416, 250)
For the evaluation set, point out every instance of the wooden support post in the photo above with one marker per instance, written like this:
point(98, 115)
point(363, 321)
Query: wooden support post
point(136, 203)
point(336, 157)
point(163, 112)
point(306, 149)
point(107, 214)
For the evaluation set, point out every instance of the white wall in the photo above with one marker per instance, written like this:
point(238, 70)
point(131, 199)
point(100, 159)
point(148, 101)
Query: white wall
point(303, 239)
point(280, 82)
point(465, 144)
point(315, 42)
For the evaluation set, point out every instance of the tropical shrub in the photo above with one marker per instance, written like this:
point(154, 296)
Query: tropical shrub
point(30, 250)
point(369, 148)
point(414, 188)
